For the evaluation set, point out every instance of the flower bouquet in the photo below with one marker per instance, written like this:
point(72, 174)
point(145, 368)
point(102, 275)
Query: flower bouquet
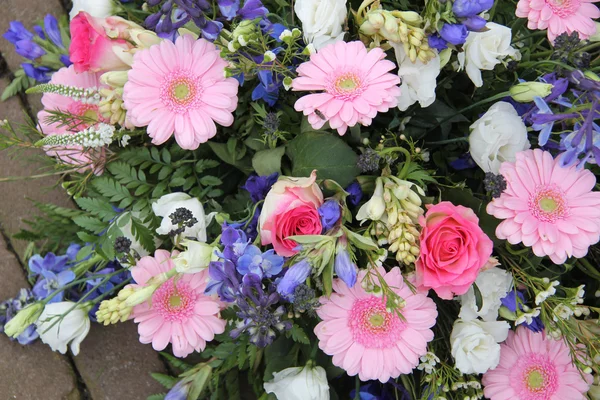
point(321, 199)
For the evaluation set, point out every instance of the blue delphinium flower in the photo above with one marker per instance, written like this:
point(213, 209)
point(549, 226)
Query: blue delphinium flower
point(179, 391)
point(454, 33)
point(256, 262)
point(252, 9)
point(29, 49)
point(40, 32)
point(224, 280)
point(259, 186)
point(464, 161)
point(268, 87)
point(49, 263)
point(53, 30)
point(40, 74)
point(261, 318)
point(474, 23)
point(50, 282)
point(583, 141)
point(344, 268)
point(436, 42)
point(10, 308)
point(355, 194)
point(374, 390)
point(17, 32)
point(330, 213)
point(174, 14)
point(468, 8)
point(294, 276)
point(234, 241)
point(510, 302)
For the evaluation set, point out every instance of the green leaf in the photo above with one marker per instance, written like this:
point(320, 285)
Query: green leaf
point(209, 180)
point(222, 151)
point(267, 162)
point(328, 279)
point(326, 153)
point(143, 234)
point(176, 362)
point(98, 207)
point(362, 242)
point(19, 84)
point(298, 335)
point(478, 297)
point(281, 354)
point(158, 396)
point(90, 223)
point(165, 380)
point(112, 189)
point(205, 164)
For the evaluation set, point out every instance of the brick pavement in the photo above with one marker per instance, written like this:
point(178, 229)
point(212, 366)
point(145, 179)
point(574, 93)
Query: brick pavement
point(112, 364)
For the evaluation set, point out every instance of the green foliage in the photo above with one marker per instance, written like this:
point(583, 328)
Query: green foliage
point(298, 335)
point(325, 152)
point(266, 162)
point(281, 354)
point(176, 362)
point(159, 396)
point(98, 207)
point(20, 83)
point(165, 380)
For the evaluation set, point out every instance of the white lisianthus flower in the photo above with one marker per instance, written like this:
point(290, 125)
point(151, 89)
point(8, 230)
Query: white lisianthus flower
point(322, 20)
point(96, 8)
point(493, 284)
point(299, 383)
point(72, 328)
point(196, 257)
point(475, 345)
point(419, 80)
point(169, 203)
point(485, 50)
point(497, 137)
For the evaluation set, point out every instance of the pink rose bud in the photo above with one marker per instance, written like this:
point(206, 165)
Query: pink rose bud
point(97, 43)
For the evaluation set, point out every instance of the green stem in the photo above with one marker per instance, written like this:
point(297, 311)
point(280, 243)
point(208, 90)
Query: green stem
point(531, 64)
point(448, 141)
point(407, 162)
point(22, 178)
point(472, 106)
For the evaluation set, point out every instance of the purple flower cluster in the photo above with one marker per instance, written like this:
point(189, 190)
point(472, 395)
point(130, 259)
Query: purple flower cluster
point(238, 278)
point(10, 308)
point(467, 13)
point(26, 46)
point(174, 14)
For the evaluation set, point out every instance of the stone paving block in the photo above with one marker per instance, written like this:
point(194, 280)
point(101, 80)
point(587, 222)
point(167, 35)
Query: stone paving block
point(115, 365)
point(30, 372)
point(28, 12)
point(14, 206)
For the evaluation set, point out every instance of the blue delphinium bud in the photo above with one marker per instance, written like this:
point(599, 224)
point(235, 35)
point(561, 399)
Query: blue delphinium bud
point(468, 8)
point(474, 23)
point(53, 30)
point(259, 186)
point(436, 42)
point(17, 32)
point(454, 33)
point(355, 194)
point(344, 267)
point(294, 276)
point(330, 213)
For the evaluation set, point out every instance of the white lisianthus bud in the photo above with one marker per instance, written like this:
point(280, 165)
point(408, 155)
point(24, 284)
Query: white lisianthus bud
point(269, 56)
point(375, 207)
point(58, 330)
point(196, 258)
point(299, 383)
point(526, 91)
point(23, 319)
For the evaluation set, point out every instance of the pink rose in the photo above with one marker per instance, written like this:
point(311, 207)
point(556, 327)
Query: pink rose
point(98, 43)
point(290, 209)
point(453, 250)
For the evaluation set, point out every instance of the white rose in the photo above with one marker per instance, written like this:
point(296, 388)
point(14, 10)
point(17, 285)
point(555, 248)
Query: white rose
point(485, 50)
point(475, 345)
point(58, 333)
point(322, 20)
point(497, 137)
point(196, 258)
point(96, 8)
point(419, 80)
point(299, 383)
point(166, 205)
point(493, 284)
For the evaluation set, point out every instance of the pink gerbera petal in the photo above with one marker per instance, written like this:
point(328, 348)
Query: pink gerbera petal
point(188, 79)
point(560, 16)
point(549, 209)
point(179, 312)
point(365, 338)
point(353, 79)
point(532, 367)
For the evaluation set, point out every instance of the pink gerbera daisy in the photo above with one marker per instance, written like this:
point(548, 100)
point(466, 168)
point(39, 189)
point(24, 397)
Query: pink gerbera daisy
point(180, 88)
point(356, 82)
point(179, 312)
point(560, 16)
point(534, 366)
point(88, 110)
point(364, 338)
point(547, 207)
